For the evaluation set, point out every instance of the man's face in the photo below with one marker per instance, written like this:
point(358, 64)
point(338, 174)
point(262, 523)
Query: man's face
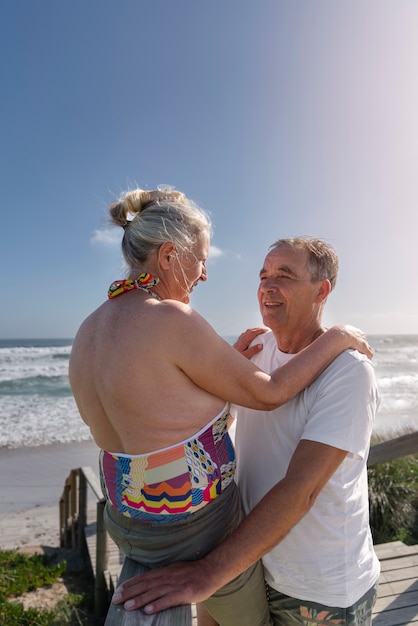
point(287, 296)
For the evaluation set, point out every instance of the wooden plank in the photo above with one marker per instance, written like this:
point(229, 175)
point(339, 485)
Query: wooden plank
point(393, 449)
point(404, 573)
point(400, 562)
point(397, 601)
point(404, 599)
point(393, 549)
point(114, 562)
point(117, 616)
point(90, 535)
point(397, 617)
point(93, 481)
point(396, 587)
point(397, 595)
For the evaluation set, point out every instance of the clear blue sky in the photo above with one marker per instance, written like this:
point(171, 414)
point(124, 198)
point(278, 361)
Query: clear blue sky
point(279, 118)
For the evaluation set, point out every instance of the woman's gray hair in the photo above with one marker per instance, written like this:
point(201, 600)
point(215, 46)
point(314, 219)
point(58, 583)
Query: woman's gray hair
point(152, 218)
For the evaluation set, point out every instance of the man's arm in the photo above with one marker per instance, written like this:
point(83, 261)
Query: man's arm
point(310, 468)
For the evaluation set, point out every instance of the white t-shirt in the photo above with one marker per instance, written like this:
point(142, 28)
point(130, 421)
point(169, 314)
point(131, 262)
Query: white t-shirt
point(328, 556)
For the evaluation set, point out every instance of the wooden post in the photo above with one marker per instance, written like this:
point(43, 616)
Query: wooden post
point(66, 511)
point(73, 506)
point(82, 511)
point(62, 521)
point(101, 599)
point(117, 616)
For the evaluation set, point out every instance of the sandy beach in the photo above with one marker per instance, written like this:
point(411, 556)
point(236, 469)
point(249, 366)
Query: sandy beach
point(31, 483)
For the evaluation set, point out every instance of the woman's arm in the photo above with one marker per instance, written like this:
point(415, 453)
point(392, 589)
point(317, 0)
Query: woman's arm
point(214, 365)
point(306, 365)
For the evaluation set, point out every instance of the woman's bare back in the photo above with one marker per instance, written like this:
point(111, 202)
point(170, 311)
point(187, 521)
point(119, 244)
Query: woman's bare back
point(129, 387)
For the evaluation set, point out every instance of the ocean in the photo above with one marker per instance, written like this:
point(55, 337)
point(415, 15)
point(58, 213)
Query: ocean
point(37, 407)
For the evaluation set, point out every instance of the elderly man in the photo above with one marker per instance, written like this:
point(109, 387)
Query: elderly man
point(323, 567)
point(301, 468)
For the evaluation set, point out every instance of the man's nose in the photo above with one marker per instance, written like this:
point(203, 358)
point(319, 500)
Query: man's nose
point(268, 285)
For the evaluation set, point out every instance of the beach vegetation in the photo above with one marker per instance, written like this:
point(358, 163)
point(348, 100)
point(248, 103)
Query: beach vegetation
point(21, 574)
point(393, 497)
point(14, 614)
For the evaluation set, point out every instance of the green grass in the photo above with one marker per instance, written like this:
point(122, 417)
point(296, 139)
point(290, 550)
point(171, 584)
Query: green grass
point(20, 573)
point(13, 614)
point(393, 498)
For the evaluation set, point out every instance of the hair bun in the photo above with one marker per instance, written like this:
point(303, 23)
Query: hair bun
point(135, 201)
point(138, 199)
point(161, 195)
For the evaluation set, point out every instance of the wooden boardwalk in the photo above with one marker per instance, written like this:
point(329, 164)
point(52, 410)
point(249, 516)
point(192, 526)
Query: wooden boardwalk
point(397, 601)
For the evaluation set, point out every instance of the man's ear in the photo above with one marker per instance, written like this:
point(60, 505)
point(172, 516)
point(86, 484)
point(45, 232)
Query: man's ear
point(324, 288)
point(165, 254)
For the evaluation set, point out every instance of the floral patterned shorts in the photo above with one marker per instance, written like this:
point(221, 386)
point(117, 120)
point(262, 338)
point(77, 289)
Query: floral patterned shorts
point(287, 611)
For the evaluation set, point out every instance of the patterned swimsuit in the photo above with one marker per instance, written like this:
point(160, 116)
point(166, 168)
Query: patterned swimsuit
point(171, 483)
point(174, 481)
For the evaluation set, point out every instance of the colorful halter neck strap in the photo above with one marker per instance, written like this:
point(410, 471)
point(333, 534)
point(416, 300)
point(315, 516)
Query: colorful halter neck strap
point(144, 281)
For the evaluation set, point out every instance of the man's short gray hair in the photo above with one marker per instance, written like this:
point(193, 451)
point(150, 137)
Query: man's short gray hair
point(323, 261)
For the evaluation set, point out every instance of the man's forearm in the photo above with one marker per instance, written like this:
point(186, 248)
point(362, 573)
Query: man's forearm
point(193, 582)
point(310, 468)
point(266, 525)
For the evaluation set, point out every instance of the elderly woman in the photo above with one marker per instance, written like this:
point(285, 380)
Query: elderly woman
point(153, 381)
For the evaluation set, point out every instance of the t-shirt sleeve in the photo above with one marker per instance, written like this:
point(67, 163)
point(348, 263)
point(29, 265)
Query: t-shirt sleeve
point(343, 404)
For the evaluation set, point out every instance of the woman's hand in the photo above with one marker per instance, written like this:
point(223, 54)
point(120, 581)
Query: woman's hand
point(356, 339)
point(243, 342)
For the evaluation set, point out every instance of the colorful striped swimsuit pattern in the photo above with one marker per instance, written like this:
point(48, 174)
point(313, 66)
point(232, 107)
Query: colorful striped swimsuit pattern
point(177, 480)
